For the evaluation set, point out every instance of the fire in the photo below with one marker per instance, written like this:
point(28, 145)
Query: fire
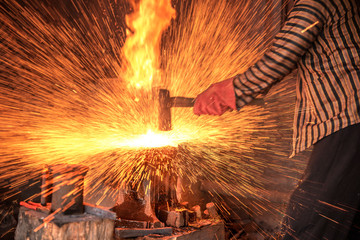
point(151, 140)
point(142, 46)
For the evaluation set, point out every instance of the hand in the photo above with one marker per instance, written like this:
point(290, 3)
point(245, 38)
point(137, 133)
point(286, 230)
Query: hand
point(217, 99)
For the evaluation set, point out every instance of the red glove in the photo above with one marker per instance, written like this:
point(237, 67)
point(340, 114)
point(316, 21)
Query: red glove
point(217, 99)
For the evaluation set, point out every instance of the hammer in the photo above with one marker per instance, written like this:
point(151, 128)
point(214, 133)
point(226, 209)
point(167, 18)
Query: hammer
point(166, 103)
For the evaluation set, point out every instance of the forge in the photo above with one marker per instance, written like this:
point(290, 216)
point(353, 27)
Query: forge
point(149, 206)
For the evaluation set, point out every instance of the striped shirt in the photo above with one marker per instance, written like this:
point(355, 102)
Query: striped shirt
point(322, 39)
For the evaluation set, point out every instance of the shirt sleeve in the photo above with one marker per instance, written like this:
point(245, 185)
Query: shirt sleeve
point(303, 25)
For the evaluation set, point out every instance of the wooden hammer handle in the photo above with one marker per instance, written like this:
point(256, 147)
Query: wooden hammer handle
point(182, 102)
point(189, 102)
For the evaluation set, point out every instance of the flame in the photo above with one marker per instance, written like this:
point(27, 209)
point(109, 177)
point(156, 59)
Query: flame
point(151, 140)
point(142, 46)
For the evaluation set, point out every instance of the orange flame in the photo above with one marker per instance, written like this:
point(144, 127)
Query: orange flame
point(142, 46)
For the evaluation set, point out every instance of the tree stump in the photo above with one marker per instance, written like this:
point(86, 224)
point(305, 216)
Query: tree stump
point(63, 227)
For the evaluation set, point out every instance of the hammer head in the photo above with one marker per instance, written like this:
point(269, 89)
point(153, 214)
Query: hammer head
point(165, 105)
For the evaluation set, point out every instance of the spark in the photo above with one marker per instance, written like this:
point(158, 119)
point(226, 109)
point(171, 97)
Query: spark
point(309, 27)
point(332, 206)
point(328, 218)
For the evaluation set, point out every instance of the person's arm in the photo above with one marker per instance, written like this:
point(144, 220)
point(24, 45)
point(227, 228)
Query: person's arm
point(300, 30)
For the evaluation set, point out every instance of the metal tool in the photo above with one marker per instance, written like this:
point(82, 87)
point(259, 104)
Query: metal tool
point(166, 103)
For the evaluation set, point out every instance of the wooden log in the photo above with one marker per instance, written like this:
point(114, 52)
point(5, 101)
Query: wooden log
point(63, 227)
